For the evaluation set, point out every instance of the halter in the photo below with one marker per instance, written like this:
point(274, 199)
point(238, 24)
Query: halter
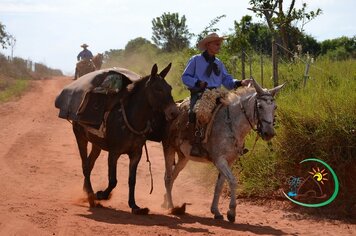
point(256, 113)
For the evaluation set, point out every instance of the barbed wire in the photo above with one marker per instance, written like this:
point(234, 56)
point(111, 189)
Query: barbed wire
point(299, 58)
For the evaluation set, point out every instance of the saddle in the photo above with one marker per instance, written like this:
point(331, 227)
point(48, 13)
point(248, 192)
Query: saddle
point(87, 99)
point(181, 124)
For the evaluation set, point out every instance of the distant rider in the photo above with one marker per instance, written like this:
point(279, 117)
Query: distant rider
point(85, 54)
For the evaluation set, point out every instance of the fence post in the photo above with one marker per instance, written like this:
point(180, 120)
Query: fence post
point(261, 69)
point(275, 63)
point(250, 65)
point(243, 58)
point(306, 71)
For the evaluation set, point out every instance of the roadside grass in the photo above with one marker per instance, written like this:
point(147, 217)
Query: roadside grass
point(315, 121)
point(12, 88)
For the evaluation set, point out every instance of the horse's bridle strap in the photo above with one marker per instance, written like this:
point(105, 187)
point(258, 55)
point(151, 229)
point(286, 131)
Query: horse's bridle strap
point(244, 111)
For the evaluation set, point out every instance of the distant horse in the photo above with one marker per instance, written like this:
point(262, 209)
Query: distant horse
point(255, 107)
point(88, 65)
point(98, 61)
point(128, 126)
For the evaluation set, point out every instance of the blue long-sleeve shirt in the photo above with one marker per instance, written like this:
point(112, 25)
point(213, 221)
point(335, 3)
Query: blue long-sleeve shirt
point(196, 70)
point(85, 54)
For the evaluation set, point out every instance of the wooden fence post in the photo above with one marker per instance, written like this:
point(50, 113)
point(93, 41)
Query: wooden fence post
point(274, 62)
point(306, 71)
point(261, 69)
point(243, 58)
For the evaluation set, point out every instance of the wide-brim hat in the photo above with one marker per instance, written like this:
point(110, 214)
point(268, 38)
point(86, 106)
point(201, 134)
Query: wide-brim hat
point(84, 45)
point(209, 38)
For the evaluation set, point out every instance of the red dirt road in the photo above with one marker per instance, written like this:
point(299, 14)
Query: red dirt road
point(41, 186)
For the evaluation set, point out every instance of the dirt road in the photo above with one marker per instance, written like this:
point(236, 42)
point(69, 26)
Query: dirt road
point(41, 186)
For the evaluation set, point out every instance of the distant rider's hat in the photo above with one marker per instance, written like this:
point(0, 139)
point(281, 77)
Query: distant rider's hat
point(84, 45)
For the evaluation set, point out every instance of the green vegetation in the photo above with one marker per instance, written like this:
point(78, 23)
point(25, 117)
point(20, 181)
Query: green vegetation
point(15, 74)
point(13, 89)
point(317, 121)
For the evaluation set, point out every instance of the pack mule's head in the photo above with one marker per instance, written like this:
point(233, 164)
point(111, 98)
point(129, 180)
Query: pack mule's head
point(159, 93)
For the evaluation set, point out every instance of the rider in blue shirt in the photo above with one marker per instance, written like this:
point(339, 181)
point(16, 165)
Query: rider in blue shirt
point(85, 53)
point(205, 71)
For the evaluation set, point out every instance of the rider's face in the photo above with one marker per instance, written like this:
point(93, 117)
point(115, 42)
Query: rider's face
point(213, 47)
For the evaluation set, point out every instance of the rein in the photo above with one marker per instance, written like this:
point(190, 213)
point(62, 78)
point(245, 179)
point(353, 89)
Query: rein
point(149, 167)
point(244, 111)
point(142, 132)
point(259, 121)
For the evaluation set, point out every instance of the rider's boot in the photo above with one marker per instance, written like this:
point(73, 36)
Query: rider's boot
point(197, 149)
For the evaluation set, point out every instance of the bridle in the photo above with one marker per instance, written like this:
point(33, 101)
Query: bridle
point(256, 113)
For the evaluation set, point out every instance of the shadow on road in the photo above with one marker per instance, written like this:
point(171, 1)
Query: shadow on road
point(114, 216)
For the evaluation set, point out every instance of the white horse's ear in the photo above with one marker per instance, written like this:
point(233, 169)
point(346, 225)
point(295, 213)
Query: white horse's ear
point(258, 88)
point(275, 90)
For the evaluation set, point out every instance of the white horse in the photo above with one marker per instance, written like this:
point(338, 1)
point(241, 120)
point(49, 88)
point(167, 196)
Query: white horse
point(254, 107)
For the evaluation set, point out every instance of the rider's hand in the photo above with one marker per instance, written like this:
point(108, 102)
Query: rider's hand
point(246, 82)
point(201, 84)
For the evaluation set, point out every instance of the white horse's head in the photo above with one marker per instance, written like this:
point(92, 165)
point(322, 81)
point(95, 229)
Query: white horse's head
point(264, 110)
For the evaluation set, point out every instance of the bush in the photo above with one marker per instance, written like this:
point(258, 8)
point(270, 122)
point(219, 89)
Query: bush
point(316, 121)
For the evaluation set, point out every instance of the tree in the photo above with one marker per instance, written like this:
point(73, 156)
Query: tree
point(280, 24)
point(170, 33)
point(210, 28)
point(280, 21)
point(137, 43)
point(4, 36)
point(339, 48)
point(249, 36)
point(12, 43)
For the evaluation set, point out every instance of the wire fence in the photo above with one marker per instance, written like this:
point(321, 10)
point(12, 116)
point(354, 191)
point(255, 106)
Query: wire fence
point(295, 57)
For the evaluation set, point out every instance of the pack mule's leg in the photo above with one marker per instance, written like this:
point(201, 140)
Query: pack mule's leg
point(112, 165)
point(135, 158)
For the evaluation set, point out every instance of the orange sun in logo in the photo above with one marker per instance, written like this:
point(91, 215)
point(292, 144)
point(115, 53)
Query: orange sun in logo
point(319, 175)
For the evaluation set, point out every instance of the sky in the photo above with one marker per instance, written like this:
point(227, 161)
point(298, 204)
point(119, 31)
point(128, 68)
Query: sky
point(51, 32)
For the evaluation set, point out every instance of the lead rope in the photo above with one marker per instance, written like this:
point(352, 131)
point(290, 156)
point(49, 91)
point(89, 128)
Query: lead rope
point(149, 167)
point(253, 148)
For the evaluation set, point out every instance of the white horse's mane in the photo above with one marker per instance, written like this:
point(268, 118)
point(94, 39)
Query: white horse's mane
point(237, 95)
